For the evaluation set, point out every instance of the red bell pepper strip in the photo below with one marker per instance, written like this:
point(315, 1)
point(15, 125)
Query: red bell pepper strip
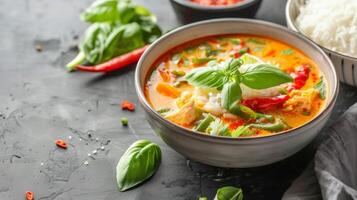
point(115, 63)
point(265, 103)
point(300, 76)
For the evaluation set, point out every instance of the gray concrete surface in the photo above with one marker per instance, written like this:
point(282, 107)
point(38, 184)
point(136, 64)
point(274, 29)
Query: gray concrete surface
point(41, 102)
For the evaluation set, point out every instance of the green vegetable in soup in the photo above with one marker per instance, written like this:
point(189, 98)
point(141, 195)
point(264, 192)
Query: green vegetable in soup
point(229, 193)
point(242, 131)
point(164, 110)
point(321, 87)
point(279, 125)
point(199, 61)
point(256, 41)
point(178, 73)
point(139, 162)
point(287, 52)
point(204, 123)
point(218, 128)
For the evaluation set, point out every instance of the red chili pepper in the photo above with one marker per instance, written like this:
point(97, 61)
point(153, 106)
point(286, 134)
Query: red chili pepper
point(235, 124)
point(115, 63)
point(61, 143)
point(265, 103)
point(300, 76)
point(127, 105)
point(29, 195)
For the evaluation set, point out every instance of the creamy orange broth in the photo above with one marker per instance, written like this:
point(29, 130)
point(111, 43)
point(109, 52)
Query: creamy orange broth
point(269, 50)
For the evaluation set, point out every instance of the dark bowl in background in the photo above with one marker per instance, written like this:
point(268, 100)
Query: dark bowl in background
point(188, 11)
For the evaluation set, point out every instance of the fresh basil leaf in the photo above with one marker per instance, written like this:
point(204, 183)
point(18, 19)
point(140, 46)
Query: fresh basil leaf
point(231, 94)
point(321, 87)
point(218, 128)
point(101, 11)
point(232, 66)
point(139, 162)
point(229, 193)
point(264, 76)
point(287, 52)
point(126, 12)
point(94, 42)
point(212, 77)
point(132, 39)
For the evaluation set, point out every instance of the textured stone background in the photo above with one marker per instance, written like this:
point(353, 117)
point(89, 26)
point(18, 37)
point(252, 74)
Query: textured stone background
point(41, 102)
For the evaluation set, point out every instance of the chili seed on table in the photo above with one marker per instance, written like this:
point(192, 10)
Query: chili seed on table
point(61, 143)
point(29, 195)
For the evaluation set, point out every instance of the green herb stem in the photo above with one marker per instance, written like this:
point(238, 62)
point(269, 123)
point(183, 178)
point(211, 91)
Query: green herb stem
point(71, 66)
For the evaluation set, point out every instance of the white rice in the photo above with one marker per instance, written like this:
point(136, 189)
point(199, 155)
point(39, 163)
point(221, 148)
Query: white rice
point(331, 23)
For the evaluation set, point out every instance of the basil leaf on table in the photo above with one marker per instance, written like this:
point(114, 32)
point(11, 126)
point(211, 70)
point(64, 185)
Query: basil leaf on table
point(231, 94)
point(264, 76)
point(229, 193)
point(139, 162)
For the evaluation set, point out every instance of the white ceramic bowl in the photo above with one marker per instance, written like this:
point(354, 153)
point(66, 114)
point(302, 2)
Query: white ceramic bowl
point(226, 151)
point(346, 66)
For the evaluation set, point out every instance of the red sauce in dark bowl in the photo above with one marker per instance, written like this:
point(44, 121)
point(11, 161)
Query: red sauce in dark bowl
point(216, 2)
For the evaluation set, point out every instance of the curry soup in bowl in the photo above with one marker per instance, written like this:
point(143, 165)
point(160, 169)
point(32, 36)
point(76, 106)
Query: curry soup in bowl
point(236, 85)
point(236, 92)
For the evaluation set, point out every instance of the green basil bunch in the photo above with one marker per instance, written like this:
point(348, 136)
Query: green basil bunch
point(227, 78)
point(229, 193)
point(117, 27)
point(139, 162)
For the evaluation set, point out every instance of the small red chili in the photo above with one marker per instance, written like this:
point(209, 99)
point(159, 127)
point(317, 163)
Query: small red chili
point(29, 195)
point(115, 63)
point(127, 105)
point(61, 143)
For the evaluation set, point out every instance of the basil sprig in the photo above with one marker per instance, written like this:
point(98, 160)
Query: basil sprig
point(139, 162)
point(117, 27)
point(227, 78)
point(229, 193)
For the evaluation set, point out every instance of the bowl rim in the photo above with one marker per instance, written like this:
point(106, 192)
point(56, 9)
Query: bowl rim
point(291, 23)
point(239, 5)
point(144, 102)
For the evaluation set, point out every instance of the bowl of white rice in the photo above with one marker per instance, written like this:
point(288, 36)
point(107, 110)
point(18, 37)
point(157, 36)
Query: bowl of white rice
point(332, 25)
